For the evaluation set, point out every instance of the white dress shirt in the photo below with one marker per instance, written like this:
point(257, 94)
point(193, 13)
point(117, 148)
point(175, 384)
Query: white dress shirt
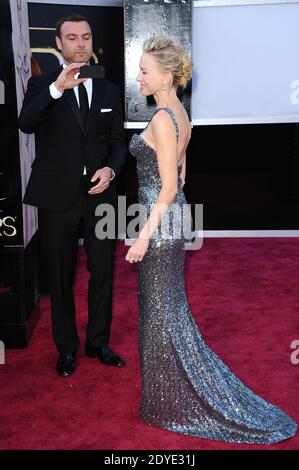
point(56, 94)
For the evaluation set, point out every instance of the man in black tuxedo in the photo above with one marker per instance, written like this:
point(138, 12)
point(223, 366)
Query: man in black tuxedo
point(81, 149)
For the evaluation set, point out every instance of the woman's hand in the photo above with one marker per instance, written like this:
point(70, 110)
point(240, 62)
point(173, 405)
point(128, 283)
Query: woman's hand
point(137, 251)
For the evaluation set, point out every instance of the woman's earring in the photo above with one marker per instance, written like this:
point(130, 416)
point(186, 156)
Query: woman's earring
point(164, 88)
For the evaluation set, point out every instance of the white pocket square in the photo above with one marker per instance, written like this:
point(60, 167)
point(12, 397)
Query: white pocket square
point(106, 110)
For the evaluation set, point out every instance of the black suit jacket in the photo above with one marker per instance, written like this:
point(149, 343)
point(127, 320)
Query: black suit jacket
point(64, 146)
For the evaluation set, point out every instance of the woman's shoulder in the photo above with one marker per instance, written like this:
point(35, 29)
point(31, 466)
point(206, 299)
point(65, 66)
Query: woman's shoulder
point(163, 121)
point(162, 115)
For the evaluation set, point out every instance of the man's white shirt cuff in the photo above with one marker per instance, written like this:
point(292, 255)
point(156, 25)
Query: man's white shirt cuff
point(56, 94)
point(113, 173)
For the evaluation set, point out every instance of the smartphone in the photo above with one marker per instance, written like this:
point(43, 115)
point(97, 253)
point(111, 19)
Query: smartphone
point(92, 71)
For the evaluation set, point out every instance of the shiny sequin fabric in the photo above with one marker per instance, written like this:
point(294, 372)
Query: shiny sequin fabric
point(186, 388)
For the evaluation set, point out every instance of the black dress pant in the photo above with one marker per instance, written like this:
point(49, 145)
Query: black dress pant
point(60, 234)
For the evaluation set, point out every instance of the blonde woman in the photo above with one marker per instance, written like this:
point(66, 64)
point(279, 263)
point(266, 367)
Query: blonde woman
point(186, 388)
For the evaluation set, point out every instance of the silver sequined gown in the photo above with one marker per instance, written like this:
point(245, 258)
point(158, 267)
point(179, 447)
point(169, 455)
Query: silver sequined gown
point(186, 388)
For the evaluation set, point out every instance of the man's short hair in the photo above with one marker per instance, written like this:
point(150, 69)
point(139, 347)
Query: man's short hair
point(75, 18)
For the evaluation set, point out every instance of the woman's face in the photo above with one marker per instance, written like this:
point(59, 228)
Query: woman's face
point(150, 77)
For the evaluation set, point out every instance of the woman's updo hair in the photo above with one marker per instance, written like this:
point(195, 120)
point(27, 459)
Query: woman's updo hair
point(170, 57)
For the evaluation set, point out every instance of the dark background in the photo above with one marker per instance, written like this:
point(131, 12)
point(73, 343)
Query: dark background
point(18, 267)
point(10, 180)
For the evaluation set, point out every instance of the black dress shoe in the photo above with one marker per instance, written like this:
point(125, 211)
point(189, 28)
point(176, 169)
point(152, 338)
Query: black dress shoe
point(66, 364)
point(105, 355)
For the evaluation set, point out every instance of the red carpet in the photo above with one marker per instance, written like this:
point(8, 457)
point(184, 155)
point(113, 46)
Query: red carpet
point(244, 294)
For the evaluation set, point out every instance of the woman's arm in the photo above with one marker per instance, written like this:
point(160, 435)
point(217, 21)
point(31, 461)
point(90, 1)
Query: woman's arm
point(164, 136)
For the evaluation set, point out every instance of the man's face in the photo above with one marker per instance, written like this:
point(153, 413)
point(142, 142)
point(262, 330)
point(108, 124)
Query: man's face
point(75, 42)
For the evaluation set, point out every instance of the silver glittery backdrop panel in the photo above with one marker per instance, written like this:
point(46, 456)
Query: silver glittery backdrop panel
point(144, 18)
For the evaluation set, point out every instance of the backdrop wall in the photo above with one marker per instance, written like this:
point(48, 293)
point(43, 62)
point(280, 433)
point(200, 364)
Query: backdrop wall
point(246, 67)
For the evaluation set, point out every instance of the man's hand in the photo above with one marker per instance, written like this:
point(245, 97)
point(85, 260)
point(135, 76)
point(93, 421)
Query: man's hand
point(104, 175)
point(67, 80)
